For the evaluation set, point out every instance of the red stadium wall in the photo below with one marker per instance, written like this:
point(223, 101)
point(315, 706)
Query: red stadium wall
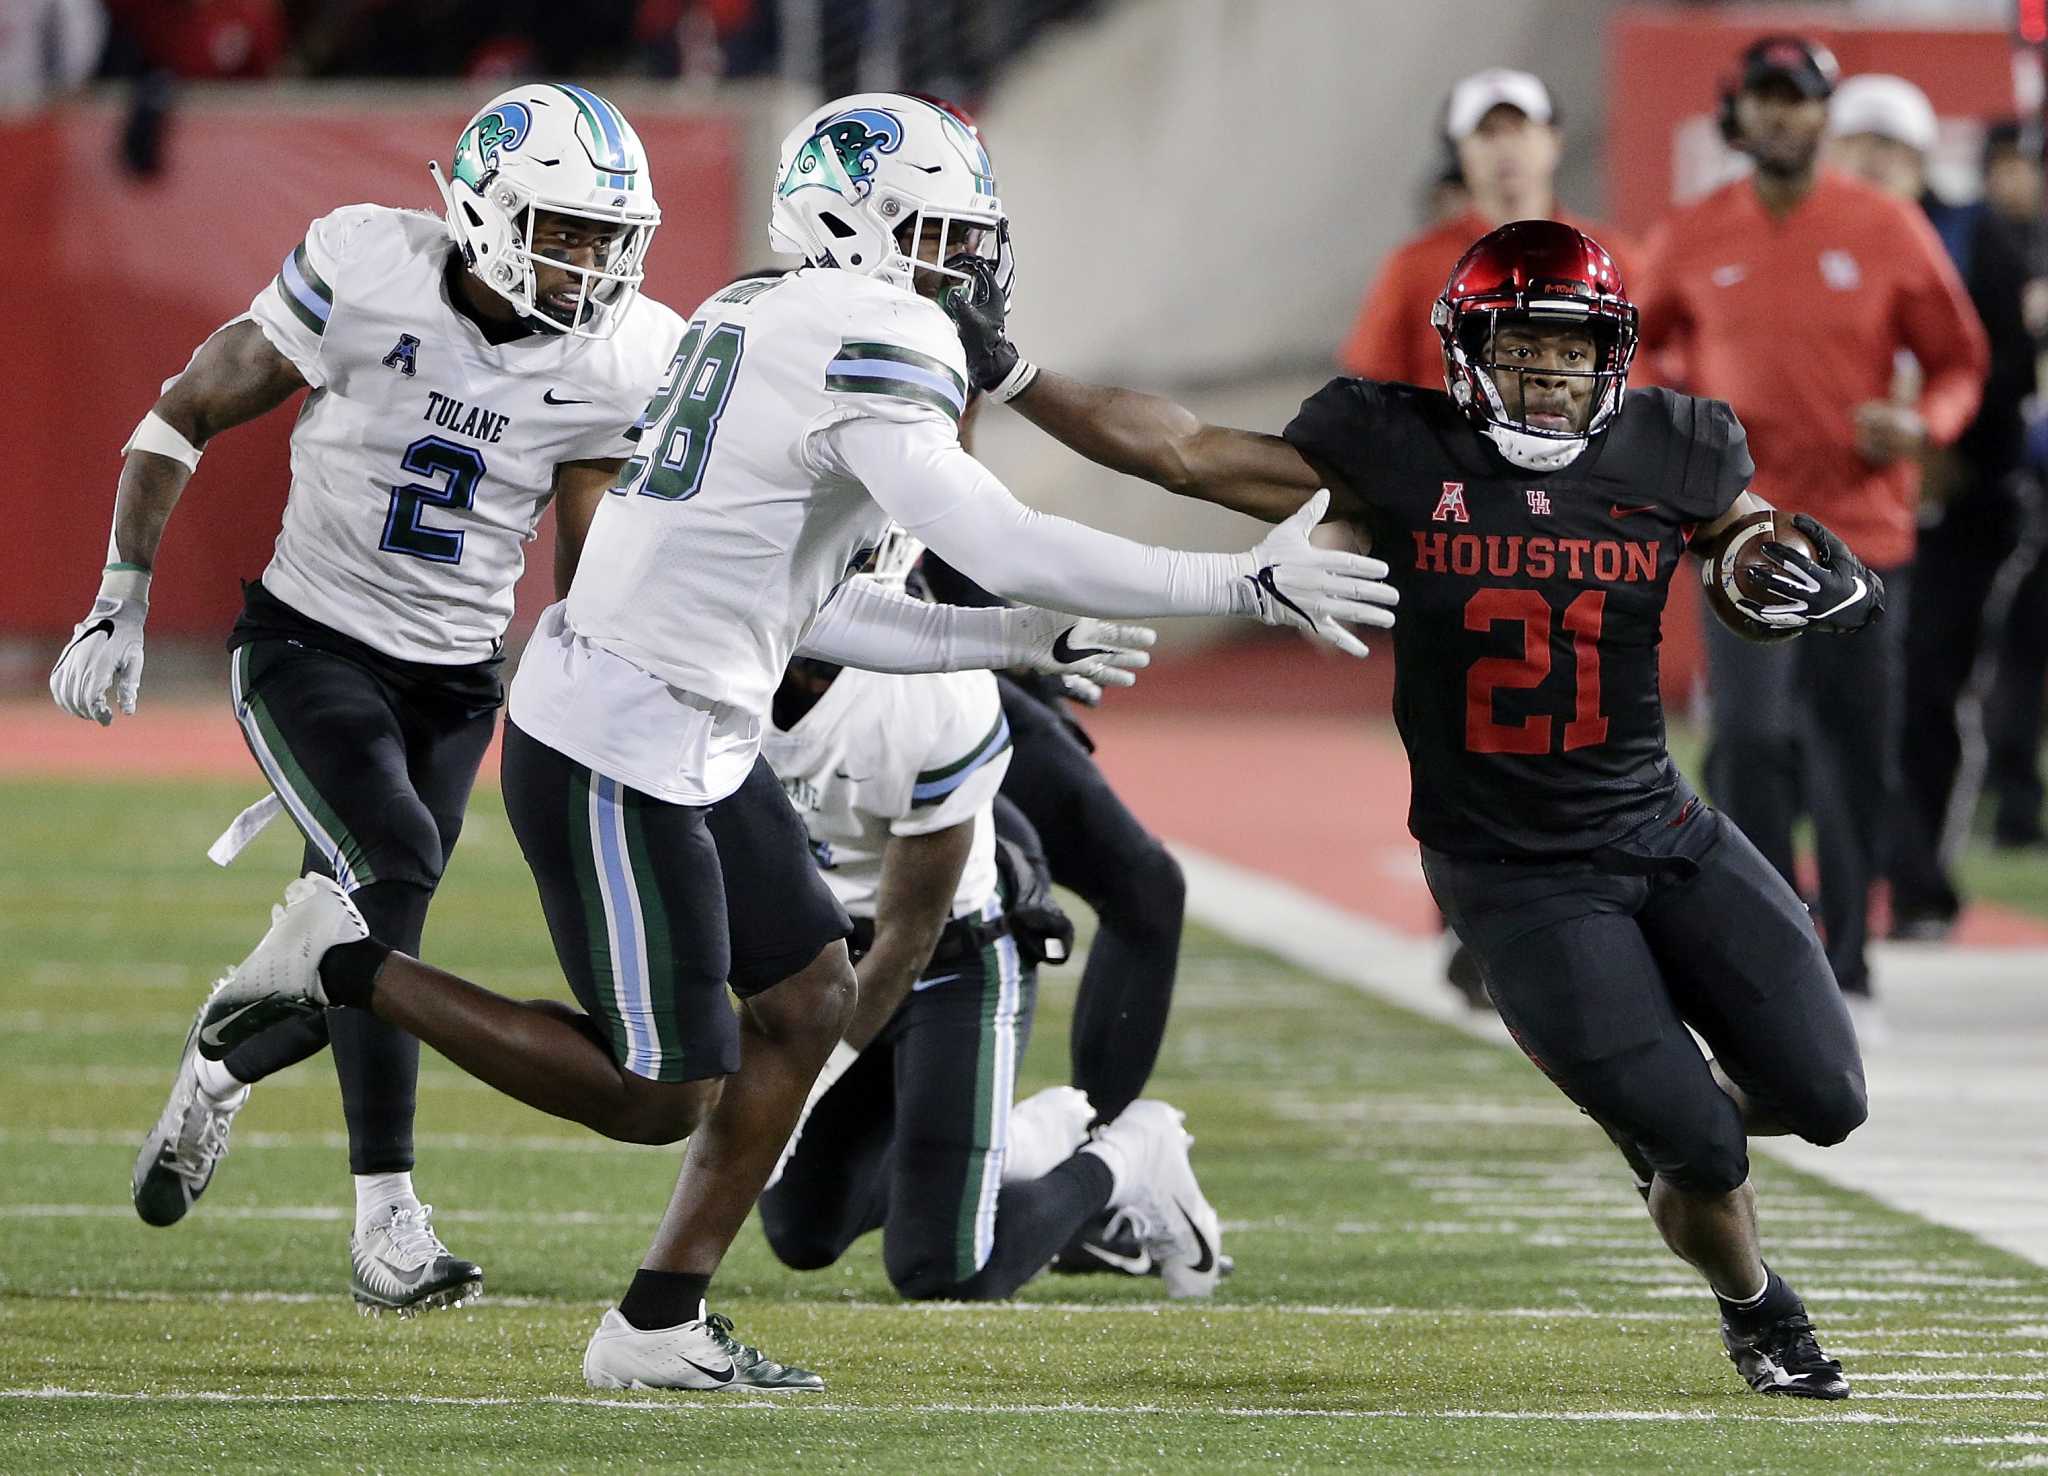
point(114, 282)
point(1665, 71)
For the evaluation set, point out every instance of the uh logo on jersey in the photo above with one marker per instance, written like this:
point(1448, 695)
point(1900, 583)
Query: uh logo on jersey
point(500, 131)
point(844, 153)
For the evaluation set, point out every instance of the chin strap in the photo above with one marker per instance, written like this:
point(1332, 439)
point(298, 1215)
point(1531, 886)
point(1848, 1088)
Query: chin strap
point(1534, 453)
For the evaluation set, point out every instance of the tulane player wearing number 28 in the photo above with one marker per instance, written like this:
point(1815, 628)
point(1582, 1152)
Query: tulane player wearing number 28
point(463, 372)
point(1533, 517)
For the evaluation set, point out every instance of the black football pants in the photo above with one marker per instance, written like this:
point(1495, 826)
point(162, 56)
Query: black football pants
point(1599, 963)
point(1097, 848)
point(1810, 727)
point(911, 1141)
point(377, 779)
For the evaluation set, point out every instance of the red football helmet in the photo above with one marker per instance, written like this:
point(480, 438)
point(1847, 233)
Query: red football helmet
point(1534, 272)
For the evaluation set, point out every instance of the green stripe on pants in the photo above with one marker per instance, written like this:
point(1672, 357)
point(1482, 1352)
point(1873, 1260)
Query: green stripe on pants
point(661, 954)
point(296, 788)
point(596, 935)
point(971, 1191)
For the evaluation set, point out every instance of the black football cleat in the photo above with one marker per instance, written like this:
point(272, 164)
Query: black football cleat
point(1783, 1357)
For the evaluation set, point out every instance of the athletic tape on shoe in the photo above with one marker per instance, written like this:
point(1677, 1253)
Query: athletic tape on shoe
point(246, 827)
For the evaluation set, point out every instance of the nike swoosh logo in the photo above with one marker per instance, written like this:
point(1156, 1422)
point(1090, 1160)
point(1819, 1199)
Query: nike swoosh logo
point(1265, 580)
point(1138, 1265)
point(549, 397)
point(849, 778)
point(211, 1033)
point(716, 1375)
point(98, 627)
point(1616, 510)
point(1066, 653)
point(1207, 1261)
point(403, 1278)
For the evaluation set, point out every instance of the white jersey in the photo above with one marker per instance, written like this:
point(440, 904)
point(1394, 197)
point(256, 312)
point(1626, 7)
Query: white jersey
point(425, 454)
point(732, 528)
point(895, 755)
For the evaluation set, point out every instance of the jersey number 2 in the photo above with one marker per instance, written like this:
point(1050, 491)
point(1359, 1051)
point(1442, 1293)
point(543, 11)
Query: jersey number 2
point(1528, 609)
point(683, 416)
point(431, 456)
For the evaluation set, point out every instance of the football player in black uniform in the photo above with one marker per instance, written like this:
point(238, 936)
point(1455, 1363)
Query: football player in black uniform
point(1532, 519)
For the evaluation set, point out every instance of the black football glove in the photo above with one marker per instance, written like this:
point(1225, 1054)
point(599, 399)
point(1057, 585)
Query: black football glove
point(1042, 932)
point(980, 309)
point(1832, 591)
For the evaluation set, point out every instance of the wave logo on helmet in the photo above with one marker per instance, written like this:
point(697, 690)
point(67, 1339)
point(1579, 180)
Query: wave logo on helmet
point(501, 130)
point(844, 153)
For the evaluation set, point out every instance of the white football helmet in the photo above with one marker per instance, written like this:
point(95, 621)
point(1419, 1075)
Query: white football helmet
point(860, 179)
point(563, 149)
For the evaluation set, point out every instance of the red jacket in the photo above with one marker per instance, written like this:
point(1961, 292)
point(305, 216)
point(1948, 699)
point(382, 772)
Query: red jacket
point(1796, 322)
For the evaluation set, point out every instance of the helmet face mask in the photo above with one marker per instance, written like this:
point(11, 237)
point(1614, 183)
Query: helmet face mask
point(1538, 335)
point(888, 186)
point(551, 206)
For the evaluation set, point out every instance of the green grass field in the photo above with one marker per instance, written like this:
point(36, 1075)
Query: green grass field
point(1441, 1267)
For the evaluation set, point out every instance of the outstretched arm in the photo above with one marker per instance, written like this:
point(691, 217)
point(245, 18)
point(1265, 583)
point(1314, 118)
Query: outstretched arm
point(1141, 435)
point(1167, 444)
point(919, 474)
point(236, 376)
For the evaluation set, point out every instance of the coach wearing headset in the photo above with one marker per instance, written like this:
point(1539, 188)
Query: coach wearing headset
point(1789, 293)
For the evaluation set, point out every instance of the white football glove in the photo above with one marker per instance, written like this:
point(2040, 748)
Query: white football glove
point(1077, 648)
point(104, 656)
point(1289, 581)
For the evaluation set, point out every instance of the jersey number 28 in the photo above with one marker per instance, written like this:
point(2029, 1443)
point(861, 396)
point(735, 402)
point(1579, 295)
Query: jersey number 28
point(675, 436)
point(1530, 610)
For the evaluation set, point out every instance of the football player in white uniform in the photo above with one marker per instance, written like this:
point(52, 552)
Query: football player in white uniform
point(910, 1127)
point(457, 386)
point(799, 416)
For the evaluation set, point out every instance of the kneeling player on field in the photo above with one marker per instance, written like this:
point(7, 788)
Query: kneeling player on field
point(910, 1129)
point(1532, 519)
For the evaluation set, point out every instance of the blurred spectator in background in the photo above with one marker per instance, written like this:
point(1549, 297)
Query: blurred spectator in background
point(1790, 293)
point(2013, 713)
point(47, 47)
point(205, 39)
point(1503, 129)
point(1973, 518)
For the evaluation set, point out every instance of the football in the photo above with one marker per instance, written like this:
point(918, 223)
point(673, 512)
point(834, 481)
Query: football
point(1736, 566)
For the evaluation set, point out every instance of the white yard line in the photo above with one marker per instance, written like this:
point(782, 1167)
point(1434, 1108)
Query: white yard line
point(684, 1404)
point(1957, 1088)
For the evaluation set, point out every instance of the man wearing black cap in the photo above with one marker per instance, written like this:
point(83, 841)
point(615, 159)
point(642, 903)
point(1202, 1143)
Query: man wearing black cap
point(1790, 294)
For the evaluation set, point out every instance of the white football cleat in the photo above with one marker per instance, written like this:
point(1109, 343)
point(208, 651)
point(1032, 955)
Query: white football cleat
point(400, 1265)
point(702, 1355)
point(280, 979)
point(186, 1145)
point(1045, 1129)
point(1178, 1226)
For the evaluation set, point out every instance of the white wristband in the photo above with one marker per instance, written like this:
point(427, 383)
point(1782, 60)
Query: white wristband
point(159, 437)
point(1018, 380)
point(127, 583)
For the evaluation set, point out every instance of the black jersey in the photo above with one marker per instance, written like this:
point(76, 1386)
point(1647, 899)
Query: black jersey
point(1532, 604)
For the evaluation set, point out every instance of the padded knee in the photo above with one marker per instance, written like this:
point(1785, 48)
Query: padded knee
point(1832, 1107)
point(1715, 1165)
point(799, 1246)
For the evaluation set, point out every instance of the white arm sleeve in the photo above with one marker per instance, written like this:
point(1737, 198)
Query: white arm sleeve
point(879, 629)
point(923, 479)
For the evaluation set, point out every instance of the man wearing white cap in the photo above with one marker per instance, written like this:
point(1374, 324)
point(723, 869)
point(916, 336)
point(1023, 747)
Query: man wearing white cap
point(1503, 127)
point(1881, 128)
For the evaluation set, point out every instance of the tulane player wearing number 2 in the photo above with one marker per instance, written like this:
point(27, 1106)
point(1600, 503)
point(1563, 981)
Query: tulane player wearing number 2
point(1532, 520)
point(463, 373)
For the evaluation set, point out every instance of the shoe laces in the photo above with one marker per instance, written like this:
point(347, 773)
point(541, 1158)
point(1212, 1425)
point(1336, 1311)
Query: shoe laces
point(720, 1328)
point(412, 1234)
point(1792, 1343)
point(197, 1154)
